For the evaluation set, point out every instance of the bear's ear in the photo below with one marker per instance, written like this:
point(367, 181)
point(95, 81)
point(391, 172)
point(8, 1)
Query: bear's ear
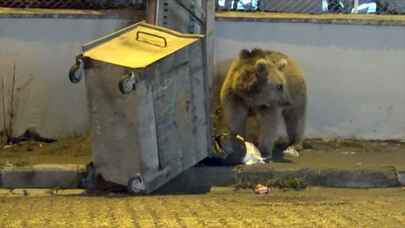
point(261, 68)
point(257, 52)
point(244, 54)
point(282, 63)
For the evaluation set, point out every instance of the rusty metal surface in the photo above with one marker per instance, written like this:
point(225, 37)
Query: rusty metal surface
point(181, 118)
point(122, 126)
point(162, 128)
point(159, 128)
point(194, 17)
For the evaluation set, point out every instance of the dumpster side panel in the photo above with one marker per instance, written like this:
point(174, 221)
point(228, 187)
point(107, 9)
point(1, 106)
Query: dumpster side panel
point(171, 92)
point(176, 101)
point(180, 112)
point(122, 125)
point(200, 113)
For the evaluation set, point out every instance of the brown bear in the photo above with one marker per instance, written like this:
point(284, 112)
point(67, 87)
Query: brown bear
point(271, 85)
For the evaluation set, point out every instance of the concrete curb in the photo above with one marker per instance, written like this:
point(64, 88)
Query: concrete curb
point(199, 179)
point(364, 178)
point(42, 176)
point(361, 178)
point(401, 177)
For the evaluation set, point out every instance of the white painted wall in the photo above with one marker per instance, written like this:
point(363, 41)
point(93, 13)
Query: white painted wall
point(44, 49)
point(355, 73)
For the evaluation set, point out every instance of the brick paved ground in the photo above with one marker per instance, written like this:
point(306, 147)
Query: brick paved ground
point(314, 207)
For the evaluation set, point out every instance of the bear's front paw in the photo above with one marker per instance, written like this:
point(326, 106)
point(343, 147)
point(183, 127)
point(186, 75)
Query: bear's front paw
point(291, 151)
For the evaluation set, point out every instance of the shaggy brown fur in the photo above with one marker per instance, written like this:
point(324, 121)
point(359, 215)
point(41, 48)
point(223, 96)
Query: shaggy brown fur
point(271, 85)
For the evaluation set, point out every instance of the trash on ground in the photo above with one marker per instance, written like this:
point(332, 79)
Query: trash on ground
point(253, 155)
point(231, 150)
point(7, 146)
point(262, 189)
point(29, 135)
point(348, 153)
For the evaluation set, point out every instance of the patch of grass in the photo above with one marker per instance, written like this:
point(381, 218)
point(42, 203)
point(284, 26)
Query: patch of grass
point(73, 150)
point(284, 183)
point(288, 183)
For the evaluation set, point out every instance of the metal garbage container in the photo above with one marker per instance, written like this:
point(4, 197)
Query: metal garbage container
point(147, 101)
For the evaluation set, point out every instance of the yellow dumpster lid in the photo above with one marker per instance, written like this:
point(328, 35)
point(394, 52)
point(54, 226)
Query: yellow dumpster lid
point(138, 46)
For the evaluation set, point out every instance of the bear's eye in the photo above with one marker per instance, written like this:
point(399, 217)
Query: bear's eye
point(279, 87)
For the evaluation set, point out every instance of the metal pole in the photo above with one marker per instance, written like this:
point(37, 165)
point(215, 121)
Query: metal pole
point(208, 8)
point(152, 11)
point(356, 5)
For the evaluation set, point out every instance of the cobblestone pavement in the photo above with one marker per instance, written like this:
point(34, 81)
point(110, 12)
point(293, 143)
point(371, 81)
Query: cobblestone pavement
point(223, 207)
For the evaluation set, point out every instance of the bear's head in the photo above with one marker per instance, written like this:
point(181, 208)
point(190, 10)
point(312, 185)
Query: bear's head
point(261, 78)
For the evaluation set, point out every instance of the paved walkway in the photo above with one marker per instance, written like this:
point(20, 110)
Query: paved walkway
point(223, 207)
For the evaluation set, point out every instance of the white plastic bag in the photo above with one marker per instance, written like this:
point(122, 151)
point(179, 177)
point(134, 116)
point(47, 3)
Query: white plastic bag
point(253, 155)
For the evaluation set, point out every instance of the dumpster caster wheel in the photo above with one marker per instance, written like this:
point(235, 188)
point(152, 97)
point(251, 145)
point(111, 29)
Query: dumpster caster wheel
point(126, 85)
point(136, 185)
point(75, 73)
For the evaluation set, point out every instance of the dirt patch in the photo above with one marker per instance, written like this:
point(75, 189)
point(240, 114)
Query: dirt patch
point(75, 150)
point(318, 154)
point(347, 154)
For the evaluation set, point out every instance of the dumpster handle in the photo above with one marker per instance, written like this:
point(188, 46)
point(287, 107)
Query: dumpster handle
point(75, 72)
point(151, 34)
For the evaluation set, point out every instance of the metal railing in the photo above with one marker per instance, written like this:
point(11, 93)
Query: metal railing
point(284, 6)
point(73, 4)
point(316, 6)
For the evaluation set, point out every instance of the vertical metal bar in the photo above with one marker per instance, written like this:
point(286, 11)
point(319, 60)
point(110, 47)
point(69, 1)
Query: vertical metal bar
point(12, 111)
point(3, 101)
point(235, 5)
point(149, 74)
point(152, 11)
point(355, 6)
point(208, 74)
